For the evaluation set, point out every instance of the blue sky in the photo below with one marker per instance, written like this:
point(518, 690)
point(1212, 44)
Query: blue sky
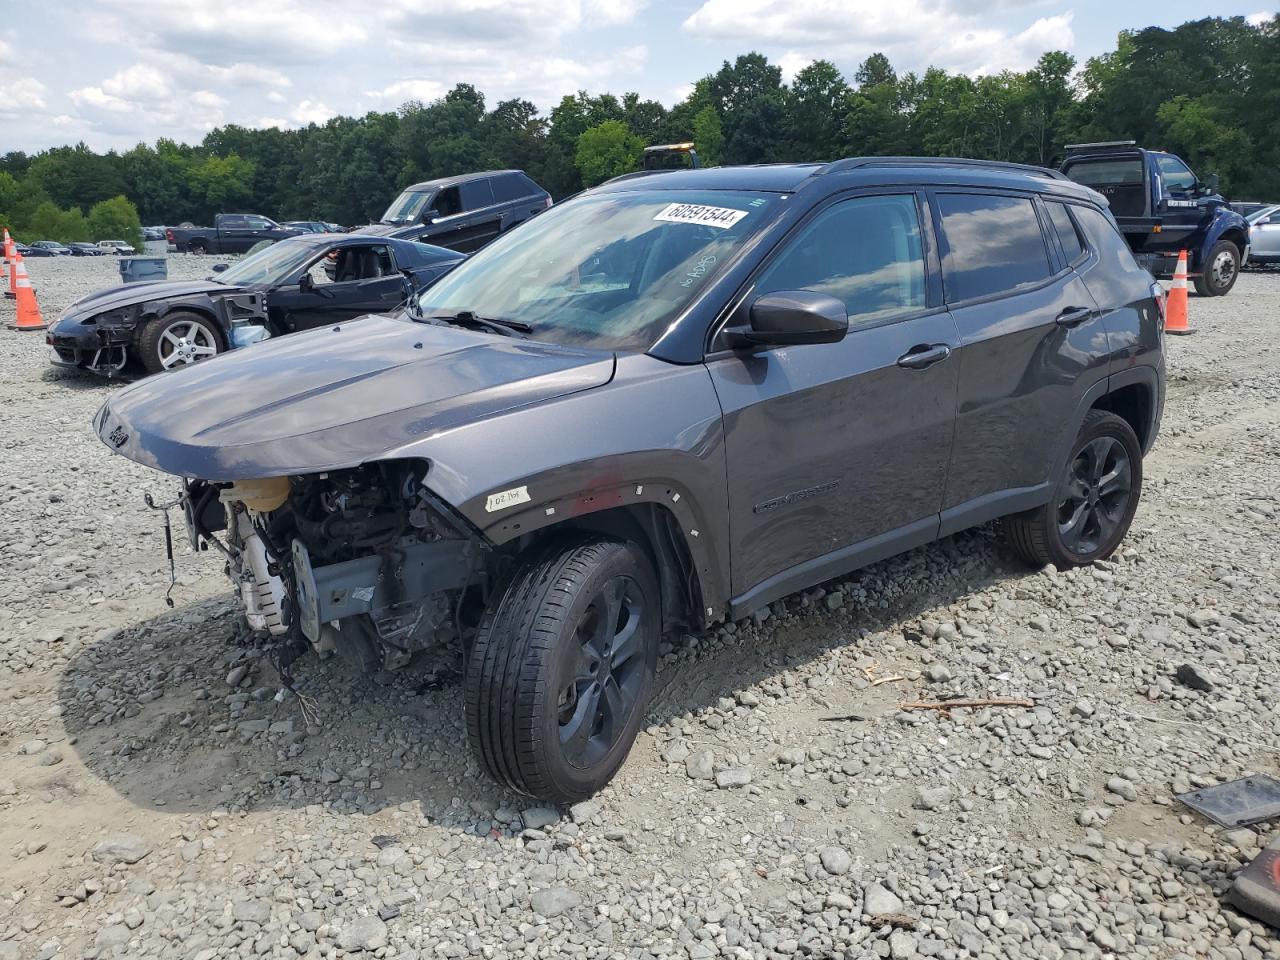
point(113, 72)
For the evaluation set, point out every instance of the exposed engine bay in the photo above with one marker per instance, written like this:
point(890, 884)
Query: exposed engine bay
point(365, 562)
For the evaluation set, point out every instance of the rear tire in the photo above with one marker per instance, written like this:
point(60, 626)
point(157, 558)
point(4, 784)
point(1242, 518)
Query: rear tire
point(198, 247)
point(1093, 502)
point(1219, 270)
point(559, 676)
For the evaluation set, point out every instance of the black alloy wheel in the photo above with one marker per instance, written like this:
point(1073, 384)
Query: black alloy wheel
point(608, 676)
point(1094, 499)
point(1096, 495)
point(559, 674)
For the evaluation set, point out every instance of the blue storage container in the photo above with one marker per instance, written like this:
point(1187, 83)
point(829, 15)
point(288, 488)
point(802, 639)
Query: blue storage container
point(134, 269)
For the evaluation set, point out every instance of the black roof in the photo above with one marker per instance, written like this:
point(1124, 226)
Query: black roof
point(441, 182)
point(841, 174)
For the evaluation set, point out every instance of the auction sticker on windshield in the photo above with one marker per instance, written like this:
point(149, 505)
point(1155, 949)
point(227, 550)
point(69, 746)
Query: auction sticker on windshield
point(723, 217)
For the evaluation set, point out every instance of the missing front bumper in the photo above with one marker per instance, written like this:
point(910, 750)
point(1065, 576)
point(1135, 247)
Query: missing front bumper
point(409, 573)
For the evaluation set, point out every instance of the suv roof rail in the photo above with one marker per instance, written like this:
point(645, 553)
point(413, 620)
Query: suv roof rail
point(853, 163)
point(1103, 145)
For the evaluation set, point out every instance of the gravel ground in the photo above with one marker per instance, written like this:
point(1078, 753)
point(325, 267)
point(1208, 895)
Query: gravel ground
point(156, 800)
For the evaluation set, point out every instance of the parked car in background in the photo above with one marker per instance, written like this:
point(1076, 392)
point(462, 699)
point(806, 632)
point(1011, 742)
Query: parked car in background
point(313, 226)
point(230, 233)
point(153, 233)
point(118, 247)
point(1163, 208)
point(55, 248)
point(85, 250)
point(1247, 207)
point(670, 401)
point(295, 284)
point(464, 212)
point(28, 252)
point(1264, 235)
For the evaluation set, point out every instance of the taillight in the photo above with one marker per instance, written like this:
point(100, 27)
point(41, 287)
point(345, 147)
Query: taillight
point(1158, 294)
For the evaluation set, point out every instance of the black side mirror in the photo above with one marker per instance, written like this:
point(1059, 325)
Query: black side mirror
point(306, 284)
point(792, 317)
point(430, 216)
point(220, 267)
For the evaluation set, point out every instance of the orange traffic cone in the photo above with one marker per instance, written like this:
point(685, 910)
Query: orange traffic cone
point(12, 257)
point(28, 310)
point(1175, 318)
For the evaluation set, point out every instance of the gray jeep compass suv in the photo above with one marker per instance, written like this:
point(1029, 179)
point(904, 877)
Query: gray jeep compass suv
point(667, 402)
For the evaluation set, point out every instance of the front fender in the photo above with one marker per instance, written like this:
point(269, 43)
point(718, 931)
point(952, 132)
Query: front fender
point(1225, 220)
point(653, 435)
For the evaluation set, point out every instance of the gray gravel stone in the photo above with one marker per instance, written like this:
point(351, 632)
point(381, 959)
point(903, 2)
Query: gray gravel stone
point(121, 848)
point(552, 901)
point(362, 933)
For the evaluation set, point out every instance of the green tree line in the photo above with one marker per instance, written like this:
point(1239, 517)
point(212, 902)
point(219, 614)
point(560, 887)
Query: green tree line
point(1208, 90)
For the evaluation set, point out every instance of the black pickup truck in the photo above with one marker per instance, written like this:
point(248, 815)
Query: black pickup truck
point(1162, 208)
point(230, 233)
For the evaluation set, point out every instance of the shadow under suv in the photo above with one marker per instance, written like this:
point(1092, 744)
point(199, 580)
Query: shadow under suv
point(663, 403)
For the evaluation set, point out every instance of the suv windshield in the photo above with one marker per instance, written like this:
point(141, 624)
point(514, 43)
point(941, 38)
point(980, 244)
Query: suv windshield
point(407, 207)
point(267, 265)
point(609, 270)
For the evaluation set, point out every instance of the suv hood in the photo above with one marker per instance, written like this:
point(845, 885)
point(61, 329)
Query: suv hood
point(334, 398)
point(127, 294)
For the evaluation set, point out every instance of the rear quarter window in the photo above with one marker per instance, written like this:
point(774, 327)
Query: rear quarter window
point(512, 186)
point(991, 244)
point(1065, 228)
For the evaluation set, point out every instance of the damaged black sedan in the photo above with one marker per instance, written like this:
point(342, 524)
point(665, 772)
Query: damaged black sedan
point(296, 284)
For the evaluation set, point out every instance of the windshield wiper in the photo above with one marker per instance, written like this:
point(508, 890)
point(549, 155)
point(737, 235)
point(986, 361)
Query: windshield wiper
point(466, 318)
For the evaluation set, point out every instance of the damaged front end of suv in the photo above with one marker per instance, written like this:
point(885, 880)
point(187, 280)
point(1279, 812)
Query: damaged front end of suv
point(364, 562)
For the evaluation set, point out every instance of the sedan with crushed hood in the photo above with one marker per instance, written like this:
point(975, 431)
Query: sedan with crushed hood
point(296, 284)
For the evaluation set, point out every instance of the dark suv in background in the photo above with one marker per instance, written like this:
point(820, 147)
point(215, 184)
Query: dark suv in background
point(462, 213)
point(666, 402)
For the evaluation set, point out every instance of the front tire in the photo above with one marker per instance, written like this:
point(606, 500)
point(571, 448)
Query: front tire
point(559, 675)
point(1093, 502)
point(1219, 271)
point(178, 339)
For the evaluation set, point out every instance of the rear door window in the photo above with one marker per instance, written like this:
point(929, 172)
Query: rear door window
point(1065, 228)
point(991, 244)
point(865, 252)
point(476, 194)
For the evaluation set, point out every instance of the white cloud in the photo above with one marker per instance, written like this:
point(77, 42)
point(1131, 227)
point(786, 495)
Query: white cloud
point(96, 98)
point(138, 82)
point(1259, 18)
point(612, 13)
point(792, 63)
point(397, 93)
point(219, 32)
point(912, 32)
point(311, 111)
